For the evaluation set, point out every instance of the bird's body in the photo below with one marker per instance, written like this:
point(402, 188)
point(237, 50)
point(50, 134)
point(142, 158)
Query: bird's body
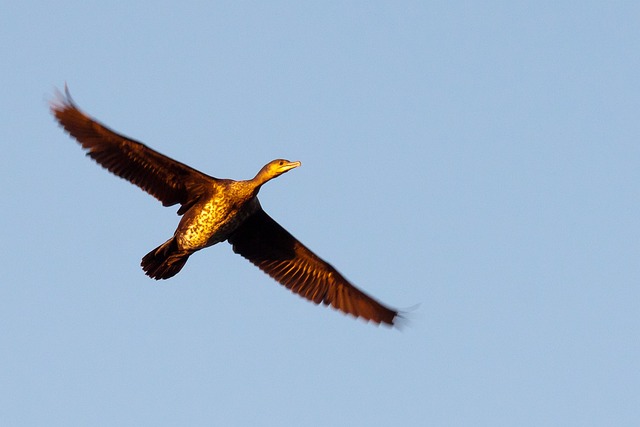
point(204, 224)
point(220, 210)
point(214, 210)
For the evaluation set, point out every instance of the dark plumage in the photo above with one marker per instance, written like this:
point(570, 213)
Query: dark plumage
point(214, 210)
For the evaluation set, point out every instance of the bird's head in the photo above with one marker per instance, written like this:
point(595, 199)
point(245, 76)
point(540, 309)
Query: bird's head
point(277, 167)
point(274, 169)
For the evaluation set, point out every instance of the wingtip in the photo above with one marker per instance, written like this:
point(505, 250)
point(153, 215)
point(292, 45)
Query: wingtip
point(399, 322)
point(402, 318)
point(61, 100)
point(67, 93)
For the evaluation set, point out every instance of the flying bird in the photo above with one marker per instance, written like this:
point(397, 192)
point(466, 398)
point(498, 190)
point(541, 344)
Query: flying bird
point(214, 210)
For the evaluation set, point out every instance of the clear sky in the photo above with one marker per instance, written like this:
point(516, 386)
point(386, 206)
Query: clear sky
point(480, 159)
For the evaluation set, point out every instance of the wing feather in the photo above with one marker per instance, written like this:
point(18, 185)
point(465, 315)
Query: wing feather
point(166, 179)
point(270, 247)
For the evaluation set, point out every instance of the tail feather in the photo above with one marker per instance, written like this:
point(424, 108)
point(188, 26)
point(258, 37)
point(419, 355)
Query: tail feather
point(165, 261)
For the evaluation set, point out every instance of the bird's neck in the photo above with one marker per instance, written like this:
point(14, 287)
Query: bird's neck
point(260, 179)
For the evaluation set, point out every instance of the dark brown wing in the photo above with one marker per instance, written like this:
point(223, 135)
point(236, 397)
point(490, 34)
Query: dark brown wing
point(165, 179)
point(276, 252)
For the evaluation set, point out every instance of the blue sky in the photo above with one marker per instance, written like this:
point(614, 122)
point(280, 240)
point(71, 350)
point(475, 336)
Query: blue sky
point(481, 160)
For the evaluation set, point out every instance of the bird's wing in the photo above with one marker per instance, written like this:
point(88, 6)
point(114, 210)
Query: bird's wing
point(165, 179)
point(266, 244)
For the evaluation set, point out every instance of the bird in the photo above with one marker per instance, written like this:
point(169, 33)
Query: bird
point(215, 210)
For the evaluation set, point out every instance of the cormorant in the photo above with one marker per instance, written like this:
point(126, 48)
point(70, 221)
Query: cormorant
point(214, 210)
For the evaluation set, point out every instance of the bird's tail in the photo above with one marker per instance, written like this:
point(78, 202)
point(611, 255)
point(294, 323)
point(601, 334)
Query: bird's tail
point(164, 261)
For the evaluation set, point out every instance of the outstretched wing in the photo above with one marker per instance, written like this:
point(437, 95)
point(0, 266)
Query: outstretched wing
point(275, 251)
point(165, 179)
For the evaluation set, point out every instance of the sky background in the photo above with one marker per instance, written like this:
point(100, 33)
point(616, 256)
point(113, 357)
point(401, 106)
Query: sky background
point(480, 159)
